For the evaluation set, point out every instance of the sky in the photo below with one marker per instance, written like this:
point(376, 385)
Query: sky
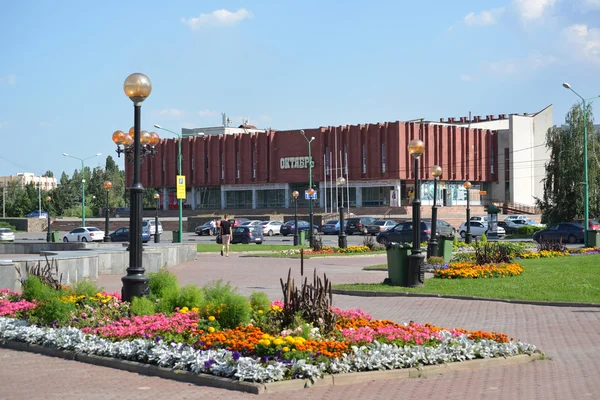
point(278, 64)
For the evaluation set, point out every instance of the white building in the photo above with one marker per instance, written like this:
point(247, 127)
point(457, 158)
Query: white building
point(25, 178)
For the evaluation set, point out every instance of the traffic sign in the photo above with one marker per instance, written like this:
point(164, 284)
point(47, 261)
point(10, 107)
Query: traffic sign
point(482, 192)
point(181, 191)
point(307, 196)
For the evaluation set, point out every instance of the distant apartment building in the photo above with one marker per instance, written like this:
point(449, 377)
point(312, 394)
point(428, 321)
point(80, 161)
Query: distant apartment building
point(25, 178)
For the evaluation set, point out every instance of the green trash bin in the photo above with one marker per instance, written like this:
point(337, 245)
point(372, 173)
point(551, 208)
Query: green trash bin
point(592, 238)
point(397, 260)
point(445, 247)
point(175, 236)
point(55, 236)
point(301, 237)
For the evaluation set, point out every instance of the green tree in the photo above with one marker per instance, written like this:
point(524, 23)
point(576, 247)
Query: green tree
point(49, 174)
point(563, 189)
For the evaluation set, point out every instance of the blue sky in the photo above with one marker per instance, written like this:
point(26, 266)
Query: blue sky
point(280, 64)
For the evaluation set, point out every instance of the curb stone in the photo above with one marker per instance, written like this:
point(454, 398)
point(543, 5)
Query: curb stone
point(370, 293)
point(270, 387)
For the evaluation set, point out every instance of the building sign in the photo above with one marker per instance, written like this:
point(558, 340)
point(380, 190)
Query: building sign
point(309, 197)
point(393, 198)
point(181, 187)
point(294, 162)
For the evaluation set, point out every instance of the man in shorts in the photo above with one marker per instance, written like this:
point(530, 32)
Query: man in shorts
point(225, 229)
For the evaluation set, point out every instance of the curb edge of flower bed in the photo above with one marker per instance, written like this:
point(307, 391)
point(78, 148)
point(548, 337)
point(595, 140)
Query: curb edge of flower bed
point(371, 293)
point(270, 387)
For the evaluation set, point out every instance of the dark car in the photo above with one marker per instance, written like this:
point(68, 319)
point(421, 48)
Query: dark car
point(122, 235)
point(245, 235)
point(37, 214)
point(403, 233)
point(509, 227)
point(381, 226)
point(121, 212)
point(358, 225)
point(288, 228)
point(443, 227)
point(235, 222)
point(204, 229)
point(564, 232)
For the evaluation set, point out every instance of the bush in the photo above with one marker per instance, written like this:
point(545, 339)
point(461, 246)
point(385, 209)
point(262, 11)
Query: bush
point(190, 296)
point(7, 225)
point(370, 242)
point(86, 288)
point(142, 306)
point(163, 284)
point(224, 303)
point(455, 243)
point(260, 301)
point(52, 311)
point(483, 240)
point(552, 245)
point(435, 260)
point(492, 253)
point(35, 289)
point(526, 230)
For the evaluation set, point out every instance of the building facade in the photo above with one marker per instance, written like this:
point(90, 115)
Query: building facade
point(25, 178)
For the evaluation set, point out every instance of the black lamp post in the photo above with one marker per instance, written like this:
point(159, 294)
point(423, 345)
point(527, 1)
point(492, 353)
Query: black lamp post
point(415, 260)
point(156, 232)
point(295, 195)
point(432, 246)
point(467, 186)
point(48, 235)
point(342, 242)
point(137, 87)
point(107, 187)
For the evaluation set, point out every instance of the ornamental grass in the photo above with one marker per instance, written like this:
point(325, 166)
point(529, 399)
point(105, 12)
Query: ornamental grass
point(469, 270)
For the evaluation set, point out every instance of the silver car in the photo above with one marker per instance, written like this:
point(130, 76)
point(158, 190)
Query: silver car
point(7, 235)
point(271, 228)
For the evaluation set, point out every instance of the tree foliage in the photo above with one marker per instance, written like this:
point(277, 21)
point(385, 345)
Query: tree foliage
point(563, 198)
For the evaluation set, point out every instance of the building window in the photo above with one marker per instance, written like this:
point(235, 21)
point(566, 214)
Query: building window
point(492, 162)
point(222, 166)
point(364, 159)
point(237, 164)
point(254, 164)
point(506, 165)
point(206, 167)
point(238, 199)
point(382, 157)
point(326, 160)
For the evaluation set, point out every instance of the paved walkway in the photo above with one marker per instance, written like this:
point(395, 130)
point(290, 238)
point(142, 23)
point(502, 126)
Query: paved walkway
point(570, 336)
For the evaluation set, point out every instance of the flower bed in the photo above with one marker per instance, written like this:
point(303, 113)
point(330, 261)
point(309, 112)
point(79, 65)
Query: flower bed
point(463, 270)
point(201, 338)
point(335, 250)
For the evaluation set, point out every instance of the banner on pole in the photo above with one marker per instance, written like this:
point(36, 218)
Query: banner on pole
point(181, 192)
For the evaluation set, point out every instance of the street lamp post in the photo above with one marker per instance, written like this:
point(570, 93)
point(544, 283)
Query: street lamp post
point(295, 195)
point(48, 235)
point(179, 158)
point(415, 260)
point(82, 182)
point(135, 284)
point(311, 191)
point(342, 242)
point(467, 185)
point(156, 232)
point(586, 201)
point(432, 246)
point(107, 187)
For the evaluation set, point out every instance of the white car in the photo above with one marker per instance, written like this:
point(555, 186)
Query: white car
point(271, 228)
point(7, 235)
point(148, 224)
point(484, 219)
point(512, 218)
point(477, 229)
point(253, 222)
point(87, 234)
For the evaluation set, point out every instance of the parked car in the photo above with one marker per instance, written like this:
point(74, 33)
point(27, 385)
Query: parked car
point(484, 219)
point(478, 229)
point(403, 233)
point(121, 212)
point(271, 228)
point(237, 221)
point(253, 222)
point(515, 217)
point(444, 228)
point(122, 235)
point(565, 232)
point(358, 225)
point(531, 222)
point(37, 214)
point(509, 226)
point(148, 224)
point(288, 228)
point(332, 227)
point(7, 235)
point(593, 224)
point(245, 235)
point(203, 229)
point(84, 234)
point(381, 225)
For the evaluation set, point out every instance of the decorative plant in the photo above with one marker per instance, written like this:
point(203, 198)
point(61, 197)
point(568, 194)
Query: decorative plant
point(492, 253)
point(552, 245)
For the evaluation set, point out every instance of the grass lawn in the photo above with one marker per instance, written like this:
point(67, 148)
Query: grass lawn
point(376, 267)
point(236, 248)
point(308, 255)
point(568, 279)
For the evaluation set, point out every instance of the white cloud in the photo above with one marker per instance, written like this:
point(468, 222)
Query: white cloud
point(585, 41)
point(172, 112)
point(591, 4)
point(217, 18)
point(207, 113)
point(530, 10)
point(10, 80)
point(489, 17)
point(519, 67)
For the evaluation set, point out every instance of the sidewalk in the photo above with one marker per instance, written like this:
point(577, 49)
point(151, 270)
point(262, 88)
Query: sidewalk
point(570, 336)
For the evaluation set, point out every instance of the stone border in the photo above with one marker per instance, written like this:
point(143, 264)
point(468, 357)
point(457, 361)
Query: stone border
point(271, 387)
point(370, 293)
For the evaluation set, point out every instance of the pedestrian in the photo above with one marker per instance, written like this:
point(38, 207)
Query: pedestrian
point(225, 235)
point(213, 227)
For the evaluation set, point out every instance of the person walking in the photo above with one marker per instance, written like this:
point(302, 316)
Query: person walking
point(213, 227)
point(225, 228)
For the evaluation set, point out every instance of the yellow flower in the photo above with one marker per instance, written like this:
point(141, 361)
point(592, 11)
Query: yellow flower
point(290, 339)
point(266, 342)
point(211, 318)
point(260, 311)
point(278, 342)
point(285, 349)
point(195, 309)
point(211, 329)
point(266, 336)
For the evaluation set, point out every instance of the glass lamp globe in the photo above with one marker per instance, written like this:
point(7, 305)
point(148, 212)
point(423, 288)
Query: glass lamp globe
point(118, 137)
point(137, 87)
point(48, 198)
point(416, 148)
point(107, 185)
point(311, 191)
point(295, 194)
point(132, 131)
point(156, 196)
point(154, 139)
point(145, 137)
point(340, 181)
point(467, 185)
point(436, 171)
point(127, 141)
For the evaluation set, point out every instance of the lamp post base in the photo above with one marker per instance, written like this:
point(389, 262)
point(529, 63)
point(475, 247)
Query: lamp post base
point(416, 275)
point(106, 238)
point(157, 238)
point(432, 248)
point(342, 242)
point(296, 240)
point(48, 237)
point(468, 238)
point(135, 285)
